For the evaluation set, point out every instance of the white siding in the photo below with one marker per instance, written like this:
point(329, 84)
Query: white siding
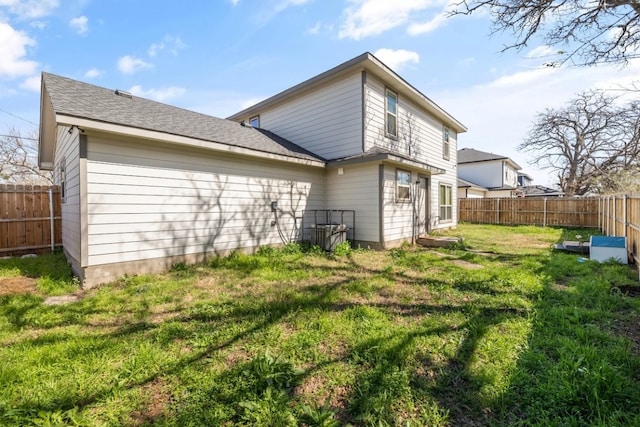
point(486, 174)
point(446, 179)
point(326, 121)
point(470, 193)
point(150, 201)
point(398, 216)
point(420, 137)
point(68, 151)
point(357, 189)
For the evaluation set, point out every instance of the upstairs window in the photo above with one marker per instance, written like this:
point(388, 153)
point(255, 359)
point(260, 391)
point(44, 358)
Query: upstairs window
point(391, 110)
point(255, 121)
point(403, 185)
point(445, 143)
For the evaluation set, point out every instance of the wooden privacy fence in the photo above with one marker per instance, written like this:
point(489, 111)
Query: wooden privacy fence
point(533, 211)
point(621, 217)
point(30, 215)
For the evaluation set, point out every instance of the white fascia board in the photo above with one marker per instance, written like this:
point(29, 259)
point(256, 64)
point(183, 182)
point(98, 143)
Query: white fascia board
point(86, 124)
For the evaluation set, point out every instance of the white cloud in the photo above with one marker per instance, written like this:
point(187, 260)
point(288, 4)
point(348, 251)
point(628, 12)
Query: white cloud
point(499, 113)
point(467, 61)
point(372, 17)
point(80, 24)
point(397, 59)
point(431, 25)
point(540, 51)
point(93, 73)
point(31, 83)
point(320, 28)
point(162, 94)
point(170, 43)
point(130, 64)
point(250, 102)
point(30, 9)
point(235, 2)
point(13, 51)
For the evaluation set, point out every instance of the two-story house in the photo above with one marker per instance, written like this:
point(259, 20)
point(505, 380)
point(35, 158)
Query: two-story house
point(483, 174)
point(146, 185)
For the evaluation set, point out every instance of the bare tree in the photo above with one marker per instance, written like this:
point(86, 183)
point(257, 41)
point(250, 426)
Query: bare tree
point(19, 160)
point(625, 181)
point(591, 137)
point(584, 32)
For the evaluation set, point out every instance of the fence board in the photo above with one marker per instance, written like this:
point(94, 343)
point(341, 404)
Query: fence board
point(538, 211)
point(25, 219)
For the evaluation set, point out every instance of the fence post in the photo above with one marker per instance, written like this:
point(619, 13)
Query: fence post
point(498, 211)
point(544, 212)
point(624, 215)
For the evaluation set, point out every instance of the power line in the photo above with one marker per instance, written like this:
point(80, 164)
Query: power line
point(17, 136)
point(18, 117)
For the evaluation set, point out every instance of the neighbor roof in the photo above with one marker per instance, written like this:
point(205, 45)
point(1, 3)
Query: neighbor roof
point(470, 155)
point(368, 62)
point(463, 183)
point(73, 99)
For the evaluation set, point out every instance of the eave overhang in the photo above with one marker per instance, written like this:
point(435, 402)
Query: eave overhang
point(88, 125)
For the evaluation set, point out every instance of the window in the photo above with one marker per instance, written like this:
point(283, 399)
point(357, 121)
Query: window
point(255, 121)
point(445, 143)
point(391, 109)
point(63, 179)
point(403, 185)
point(445, 202)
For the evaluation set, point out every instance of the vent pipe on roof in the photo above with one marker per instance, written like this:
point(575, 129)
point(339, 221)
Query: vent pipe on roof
point(123, 93)
point(244, 124)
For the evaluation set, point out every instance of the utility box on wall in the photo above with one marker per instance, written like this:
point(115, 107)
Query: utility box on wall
point(604, 248)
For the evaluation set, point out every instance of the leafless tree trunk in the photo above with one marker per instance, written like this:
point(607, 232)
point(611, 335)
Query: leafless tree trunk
point(19, 160)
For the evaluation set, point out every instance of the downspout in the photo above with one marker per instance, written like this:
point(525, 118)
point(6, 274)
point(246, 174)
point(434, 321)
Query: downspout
point(51, 219)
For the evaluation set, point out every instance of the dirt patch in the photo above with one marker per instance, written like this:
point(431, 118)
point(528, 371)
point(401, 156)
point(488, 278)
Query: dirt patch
point(466, 264)
point(62, 299)
point(629, 290)
point(17, 285)
point(628, 328)
point(157, 397)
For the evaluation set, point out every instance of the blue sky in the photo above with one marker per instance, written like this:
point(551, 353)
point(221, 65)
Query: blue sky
point(218, 57)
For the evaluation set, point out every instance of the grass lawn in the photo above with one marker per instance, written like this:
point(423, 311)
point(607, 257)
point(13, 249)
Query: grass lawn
point(498, 331)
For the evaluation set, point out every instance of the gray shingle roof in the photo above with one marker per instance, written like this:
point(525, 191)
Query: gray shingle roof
point(73, 98)
point(463, 183)
point(470, 155)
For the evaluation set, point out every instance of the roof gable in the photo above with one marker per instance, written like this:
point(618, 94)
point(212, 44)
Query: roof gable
point(73, 99)
point(470, 155)
point(367, 62)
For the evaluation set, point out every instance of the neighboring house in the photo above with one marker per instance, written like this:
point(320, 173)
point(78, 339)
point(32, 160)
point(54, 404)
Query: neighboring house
point(498, 174)
point(525, 185)
point(146, 185)
point(524, 180)
point(469, 190)
point(539, 191)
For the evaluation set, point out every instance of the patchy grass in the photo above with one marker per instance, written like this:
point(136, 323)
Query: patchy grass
point(49, 274)
point(498, 331)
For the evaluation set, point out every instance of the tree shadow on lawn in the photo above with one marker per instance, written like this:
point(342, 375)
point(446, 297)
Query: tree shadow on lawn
point(381, 382)
point(576, 369)
point(391, 380)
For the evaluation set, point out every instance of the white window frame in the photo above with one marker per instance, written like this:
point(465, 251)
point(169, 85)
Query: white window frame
point(446, 145)
point(255, 121)
point(389, 114)
point(445, 207)
point(403, 190)
point(63, 180)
